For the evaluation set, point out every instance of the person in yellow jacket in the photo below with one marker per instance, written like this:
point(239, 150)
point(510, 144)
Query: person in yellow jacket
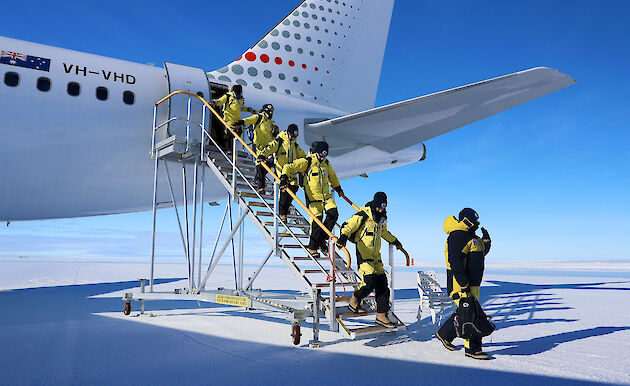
point(365, 228)
point(465, 260)
point(286, 150)
point(318, 174)
point(233, 104)
point(264, 127)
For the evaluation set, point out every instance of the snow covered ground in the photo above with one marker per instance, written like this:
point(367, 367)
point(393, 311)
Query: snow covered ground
point(61, 323)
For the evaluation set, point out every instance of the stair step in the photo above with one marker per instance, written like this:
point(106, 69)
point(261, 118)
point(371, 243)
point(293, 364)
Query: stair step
point(254, 195)
point(269, 214)
point(291, 246)
point(250, 175)
point(240, 163)
point(301, 258)
point(338, 283)
point(350, 315)
point(356, 332)
point(299, 236)
point(228, 168)
point(341, 299)
point(214, 150)
point(312, 271)
point(304, 226)
point(260, 205)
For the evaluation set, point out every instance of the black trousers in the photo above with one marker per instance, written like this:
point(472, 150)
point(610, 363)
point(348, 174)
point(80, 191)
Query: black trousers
point(448, 333)
point(319, 238)
point(261, 173)
point(376, 282)
point(285, 200)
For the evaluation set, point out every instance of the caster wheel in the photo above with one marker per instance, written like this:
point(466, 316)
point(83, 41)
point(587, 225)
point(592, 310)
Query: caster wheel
point(296, 334)
point(127, 308)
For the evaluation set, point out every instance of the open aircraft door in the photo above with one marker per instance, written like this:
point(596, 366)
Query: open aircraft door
point(180, 107)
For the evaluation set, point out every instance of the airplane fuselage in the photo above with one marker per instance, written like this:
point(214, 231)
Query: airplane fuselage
point(82, 147)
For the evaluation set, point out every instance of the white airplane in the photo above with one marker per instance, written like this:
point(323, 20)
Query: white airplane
point(77, 127)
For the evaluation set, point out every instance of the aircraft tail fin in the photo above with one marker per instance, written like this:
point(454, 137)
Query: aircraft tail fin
point(329, 51)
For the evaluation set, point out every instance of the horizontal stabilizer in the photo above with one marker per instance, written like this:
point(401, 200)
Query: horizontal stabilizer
point(400, 125)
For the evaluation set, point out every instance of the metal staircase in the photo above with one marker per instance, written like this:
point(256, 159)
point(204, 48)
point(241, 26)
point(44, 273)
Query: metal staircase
point(327, 281)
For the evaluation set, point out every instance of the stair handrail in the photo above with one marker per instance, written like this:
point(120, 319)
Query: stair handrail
point(229, 160)
point(249, 149)
point(349, 201)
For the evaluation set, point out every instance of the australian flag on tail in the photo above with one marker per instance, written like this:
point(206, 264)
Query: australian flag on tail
point(27, 61)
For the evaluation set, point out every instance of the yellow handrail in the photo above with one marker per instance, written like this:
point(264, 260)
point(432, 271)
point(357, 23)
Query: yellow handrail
point(313, 217)
point(358, 209)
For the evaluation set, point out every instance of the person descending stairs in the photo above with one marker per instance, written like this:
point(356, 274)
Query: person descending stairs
point(365, 229)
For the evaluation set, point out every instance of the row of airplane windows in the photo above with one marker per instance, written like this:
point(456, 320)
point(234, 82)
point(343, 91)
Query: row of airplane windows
point(12, 79)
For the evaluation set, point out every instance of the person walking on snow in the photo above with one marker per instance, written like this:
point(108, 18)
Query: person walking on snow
point(465, 261)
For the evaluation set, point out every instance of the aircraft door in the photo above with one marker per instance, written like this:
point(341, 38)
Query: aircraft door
point(194, 81)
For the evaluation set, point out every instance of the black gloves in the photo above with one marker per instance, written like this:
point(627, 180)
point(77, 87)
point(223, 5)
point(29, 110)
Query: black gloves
point(284, 181)
point(239, 123)
point(339, 190)
point(341, 241)
point(485, 233)
point(261, 158)
point(397, 244)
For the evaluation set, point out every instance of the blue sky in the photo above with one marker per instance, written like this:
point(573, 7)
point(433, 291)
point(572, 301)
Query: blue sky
point(550, 179)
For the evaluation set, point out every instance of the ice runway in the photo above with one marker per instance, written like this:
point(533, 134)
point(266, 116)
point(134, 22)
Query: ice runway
point(62, 323)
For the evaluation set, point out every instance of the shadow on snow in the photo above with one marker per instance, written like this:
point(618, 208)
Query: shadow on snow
point(52, 335)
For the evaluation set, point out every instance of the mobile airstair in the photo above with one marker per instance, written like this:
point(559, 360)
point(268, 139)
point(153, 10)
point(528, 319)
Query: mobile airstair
point(182, 138)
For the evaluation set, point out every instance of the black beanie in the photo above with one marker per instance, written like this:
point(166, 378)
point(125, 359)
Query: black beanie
point(293, 130)
point(379, 200)
point(321, 147)
point(237, 89)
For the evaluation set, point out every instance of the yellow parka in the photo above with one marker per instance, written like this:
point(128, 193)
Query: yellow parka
point(232, 107)
point(465, 254)
point(263, 129)
point(317, 177)
point(286, 151)
point(367, 235)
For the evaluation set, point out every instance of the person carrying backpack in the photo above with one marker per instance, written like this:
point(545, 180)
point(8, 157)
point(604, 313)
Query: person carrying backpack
point(465, 257)
point(365, 228)
point(286, 150)
point(263, 134)
point(318, 174)
point(233, 104)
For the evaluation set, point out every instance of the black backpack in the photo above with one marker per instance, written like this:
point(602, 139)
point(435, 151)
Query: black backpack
point(364, 217)
point(470, 321)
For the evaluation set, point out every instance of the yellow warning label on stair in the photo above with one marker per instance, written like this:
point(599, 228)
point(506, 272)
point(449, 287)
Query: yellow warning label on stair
point(232, 300)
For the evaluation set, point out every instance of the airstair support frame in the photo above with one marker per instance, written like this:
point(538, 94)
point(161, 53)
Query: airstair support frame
point(231, 171)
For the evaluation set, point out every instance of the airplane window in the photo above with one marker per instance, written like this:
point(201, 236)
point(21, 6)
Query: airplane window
point(11, 79)
point(74, 88)
point(129, 97)
point(102, 93)
point(43, 84)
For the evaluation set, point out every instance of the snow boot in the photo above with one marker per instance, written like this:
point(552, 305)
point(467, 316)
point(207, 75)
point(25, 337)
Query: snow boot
point(355, 306)
point(447, 345)
point(383, 320)
point(478, 355)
